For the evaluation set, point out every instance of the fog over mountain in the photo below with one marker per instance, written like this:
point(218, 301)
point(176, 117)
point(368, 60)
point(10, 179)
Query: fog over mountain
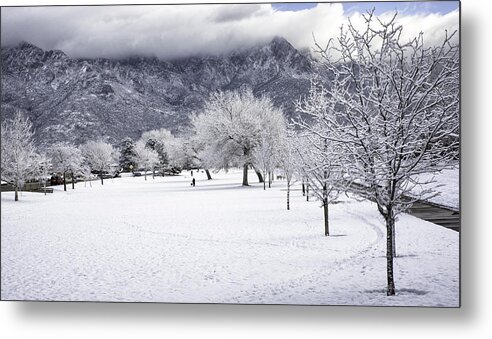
point(177, 31)
point(77, 99)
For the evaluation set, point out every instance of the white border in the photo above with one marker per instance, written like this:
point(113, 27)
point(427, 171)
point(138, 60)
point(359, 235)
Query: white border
point(473, 320)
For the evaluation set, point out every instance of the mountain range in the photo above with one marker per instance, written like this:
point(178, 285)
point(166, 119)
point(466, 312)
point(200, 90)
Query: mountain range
point(75, 100)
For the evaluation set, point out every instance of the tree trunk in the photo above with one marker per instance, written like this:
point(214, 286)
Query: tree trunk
point(153, 174)
point(393, 240)
point(325, 211)
point(264, 185)
point(325, 202)
point(307, 192)
point(390, 224)
point(288, 195)
point(245, 175)
point(209, 177)
point(145, 174)
point(65, 181)
point(16, 198)
point(73, 181)
point(303, 189)
point(102, 179)
point(258, 173)
point(270, 178)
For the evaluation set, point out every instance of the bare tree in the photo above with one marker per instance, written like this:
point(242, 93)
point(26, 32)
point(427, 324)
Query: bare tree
point(288, 162)
point(19, 157)
point(317, 159)
point(100, 157)
point(394, 113)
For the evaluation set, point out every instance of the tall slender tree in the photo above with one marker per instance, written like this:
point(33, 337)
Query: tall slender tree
point(18, 153)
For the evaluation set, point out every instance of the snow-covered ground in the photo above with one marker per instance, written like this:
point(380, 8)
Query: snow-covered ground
point(164, 241)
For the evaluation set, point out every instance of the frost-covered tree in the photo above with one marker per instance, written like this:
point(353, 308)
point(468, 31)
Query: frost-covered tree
point(99, 156)
point(85, 172)
point(161, 141)
point(288, 161)
point(264, 157)
point(179, 155)
point(18, 153)
point(268, 153)
point(316, 157)
point(65, 159)
point(145, 157)
point(44, 166)
point(395, 114)
point(231, 128)
point(194, 152)
point(127, 154)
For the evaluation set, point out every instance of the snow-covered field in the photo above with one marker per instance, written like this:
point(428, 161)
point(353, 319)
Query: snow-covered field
point(164, 241)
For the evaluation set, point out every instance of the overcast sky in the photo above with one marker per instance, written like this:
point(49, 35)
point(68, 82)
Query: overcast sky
point(170, 31)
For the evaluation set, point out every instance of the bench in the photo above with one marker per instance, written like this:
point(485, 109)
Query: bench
point(44, 190)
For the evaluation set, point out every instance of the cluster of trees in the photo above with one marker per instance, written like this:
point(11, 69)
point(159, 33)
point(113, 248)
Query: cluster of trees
point(21, 160)
point(156, 151)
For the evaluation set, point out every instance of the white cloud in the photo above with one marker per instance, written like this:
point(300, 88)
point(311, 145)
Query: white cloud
point(171, 31)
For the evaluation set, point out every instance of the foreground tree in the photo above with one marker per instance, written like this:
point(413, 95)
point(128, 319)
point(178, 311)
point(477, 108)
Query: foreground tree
point(100, 157)
point(395, 114)
point(232, 126)
point(18, 153)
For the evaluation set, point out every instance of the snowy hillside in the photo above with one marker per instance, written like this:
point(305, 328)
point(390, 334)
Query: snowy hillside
point(164, 241)
point(81, 99)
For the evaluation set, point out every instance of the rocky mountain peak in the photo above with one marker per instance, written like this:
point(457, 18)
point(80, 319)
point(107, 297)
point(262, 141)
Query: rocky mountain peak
point(76, 100)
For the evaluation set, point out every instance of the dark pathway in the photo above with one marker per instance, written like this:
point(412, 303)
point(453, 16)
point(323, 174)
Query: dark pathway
point(437, 214)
